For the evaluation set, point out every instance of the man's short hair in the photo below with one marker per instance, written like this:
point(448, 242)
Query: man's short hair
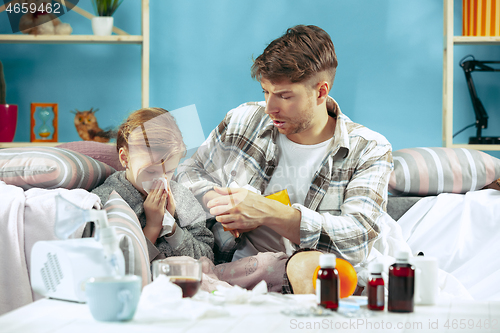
point(298, 55)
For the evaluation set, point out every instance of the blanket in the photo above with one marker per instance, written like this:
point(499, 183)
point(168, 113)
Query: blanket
point(390, 240)
point(246, 272)
point(462, 231)
point(27, 217)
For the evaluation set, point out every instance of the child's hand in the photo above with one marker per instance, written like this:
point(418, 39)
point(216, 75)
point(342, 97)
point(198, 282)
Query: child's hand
point(154, 207)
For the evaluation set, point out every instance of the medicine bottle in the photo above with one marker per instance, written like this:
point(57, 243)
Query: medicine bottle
point(327, 282)
point(376, 290)
point(401, 284)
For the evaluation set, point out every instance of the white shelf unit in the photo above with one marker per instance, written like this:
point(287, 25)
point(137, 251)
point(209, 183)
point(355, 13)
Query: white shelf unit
point(449, 41)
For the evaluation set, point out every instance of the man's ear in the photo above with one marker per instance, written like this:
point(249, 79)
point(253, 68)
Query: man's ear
point(323, 88)
point(123, 156)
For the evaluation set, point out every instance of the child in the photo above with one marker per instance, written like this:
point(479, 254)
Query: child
point(150, 146)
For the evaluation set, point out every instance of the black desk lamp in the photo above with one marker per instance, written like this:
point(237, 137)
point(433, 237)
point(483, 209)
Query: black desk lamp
point(481, 116)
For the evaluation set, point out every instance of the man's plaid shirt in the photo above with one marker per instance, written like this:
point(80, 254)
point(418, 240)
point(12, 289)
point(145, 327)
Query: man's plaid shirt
point(347, 194)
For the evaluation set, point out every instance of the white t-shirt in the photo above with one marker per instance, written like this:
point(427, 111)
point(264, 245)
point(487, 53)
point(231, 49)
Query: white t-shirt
point(295, 170)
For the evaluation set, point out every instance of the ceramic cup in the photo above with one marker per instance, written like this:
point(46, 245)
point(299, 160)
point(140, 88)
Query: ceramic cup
point(183, 271)
point(113, 298)
point(426, 280)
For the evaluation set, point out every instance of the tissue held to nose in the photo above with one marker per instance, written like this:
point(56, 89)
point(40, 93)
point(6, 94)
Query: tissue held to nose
point(149, 185)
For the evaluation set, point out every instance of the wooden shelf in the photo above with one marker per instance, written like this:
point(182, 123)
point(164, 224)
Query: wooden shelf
point(477, 147)
point(462, 40)
point(36, 144)
point(29, 144)
point(70, 39)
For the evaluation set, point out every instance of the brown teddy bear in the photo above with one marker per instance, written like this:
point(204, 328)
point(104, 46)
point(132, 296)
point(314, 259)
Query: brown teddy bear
point(40, 22)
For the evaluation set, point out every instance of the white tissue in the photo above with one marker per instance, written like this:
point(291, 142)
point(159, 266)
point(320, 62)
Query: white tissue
point(236, 294)
point(148, 185)
point(248, 187)
point(162, 300)
point(168, 220)
point(168, 223)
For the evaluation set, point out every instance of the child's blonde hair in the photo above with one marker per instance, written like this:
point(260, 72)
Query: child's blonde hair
point(153, 131)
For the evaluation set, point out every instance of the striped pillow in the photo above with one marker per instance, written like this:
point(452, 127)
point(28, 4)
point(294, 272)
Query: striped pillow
point(430, 171)
point(121, 216)
point(51, 167)
point(102, 152)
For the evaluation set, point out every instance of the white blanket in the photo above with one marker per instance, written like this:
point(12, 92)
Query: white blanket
point(463, 232)
point(391, 240)
point(25, 218)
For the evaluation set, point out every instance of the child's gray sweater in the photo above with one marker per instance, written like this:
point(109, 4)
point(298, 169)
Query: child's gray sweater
point(194, 239)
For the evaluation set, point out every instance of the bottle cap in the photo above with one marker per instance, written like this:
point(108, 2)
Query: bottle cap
point(376, 268)
point(402, 256)
point(327, 260)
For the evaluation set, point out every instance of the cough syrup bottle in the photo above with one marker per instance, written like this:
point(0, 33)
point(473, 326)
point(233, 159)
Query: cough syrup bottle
point(327, 282)
point(376, 290)
point(401, 284)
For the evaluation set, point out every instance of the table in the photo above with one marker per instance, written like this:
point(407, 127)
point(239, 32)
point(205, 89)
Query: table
point(52, 316)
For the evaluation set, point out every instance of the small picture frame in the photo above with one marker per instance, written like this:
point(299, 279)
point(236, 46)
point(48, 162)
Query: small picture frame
point(43, 122)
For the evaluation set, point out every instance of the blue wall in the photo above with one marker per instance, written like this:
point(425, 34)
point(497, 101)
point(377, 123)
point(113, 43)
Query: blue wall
point(389, 76)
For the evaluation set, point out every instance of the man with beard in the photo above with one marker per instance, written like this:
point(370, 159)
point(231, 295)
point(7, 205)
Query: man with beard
point(335, 171)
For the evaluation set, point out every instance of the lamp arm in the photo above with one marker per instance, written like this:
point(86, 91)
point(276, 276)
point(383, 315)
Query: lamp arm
point(479, 110)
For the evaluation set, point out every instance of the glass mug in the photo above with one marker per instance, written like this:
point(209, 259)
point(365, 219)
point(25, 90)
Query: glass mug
point(183, 271)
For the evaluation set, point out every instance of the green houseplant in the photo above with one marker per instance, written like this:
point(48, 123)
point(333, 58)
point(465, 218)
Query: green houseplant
point(106, 7)
point(102, 24)
point(8, 112)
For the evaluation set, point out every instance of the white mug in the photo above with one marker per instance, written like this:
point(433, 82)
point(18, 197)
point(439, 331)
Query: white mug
point(426, 280)
point(113, 298)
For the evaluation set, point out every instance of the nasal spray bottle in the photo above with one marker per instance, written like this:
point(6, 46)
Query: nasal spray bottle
point(107, 237)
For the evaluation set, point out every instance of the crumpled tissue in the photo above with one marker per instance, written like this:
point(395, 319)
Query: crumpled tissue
point(238, 295)
point(162, 300)
point(168, 220)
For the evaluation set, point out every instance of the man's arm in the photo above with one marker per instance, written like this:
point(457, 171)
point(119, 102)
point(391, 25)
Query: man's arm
point(350, 234)
point(244, 210)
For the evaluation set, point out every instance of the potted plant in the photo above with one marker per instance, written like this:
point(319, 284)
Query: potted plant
point(8, 113)
point(102, 24)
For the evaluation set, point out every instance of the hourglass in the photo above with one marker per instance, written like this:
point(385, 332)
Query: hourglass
point(43, 122)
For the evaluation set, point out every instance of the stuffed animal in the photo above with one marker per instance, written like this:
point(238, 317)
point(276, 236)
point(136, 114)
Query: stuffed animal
point(88, 129)
point(38, 21)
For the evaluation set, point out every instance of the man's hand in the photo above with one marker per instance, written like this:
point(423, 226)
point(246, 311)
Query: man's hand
point(243, 210)
point(212, 195)
point(154, 207)
point(209, 196)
